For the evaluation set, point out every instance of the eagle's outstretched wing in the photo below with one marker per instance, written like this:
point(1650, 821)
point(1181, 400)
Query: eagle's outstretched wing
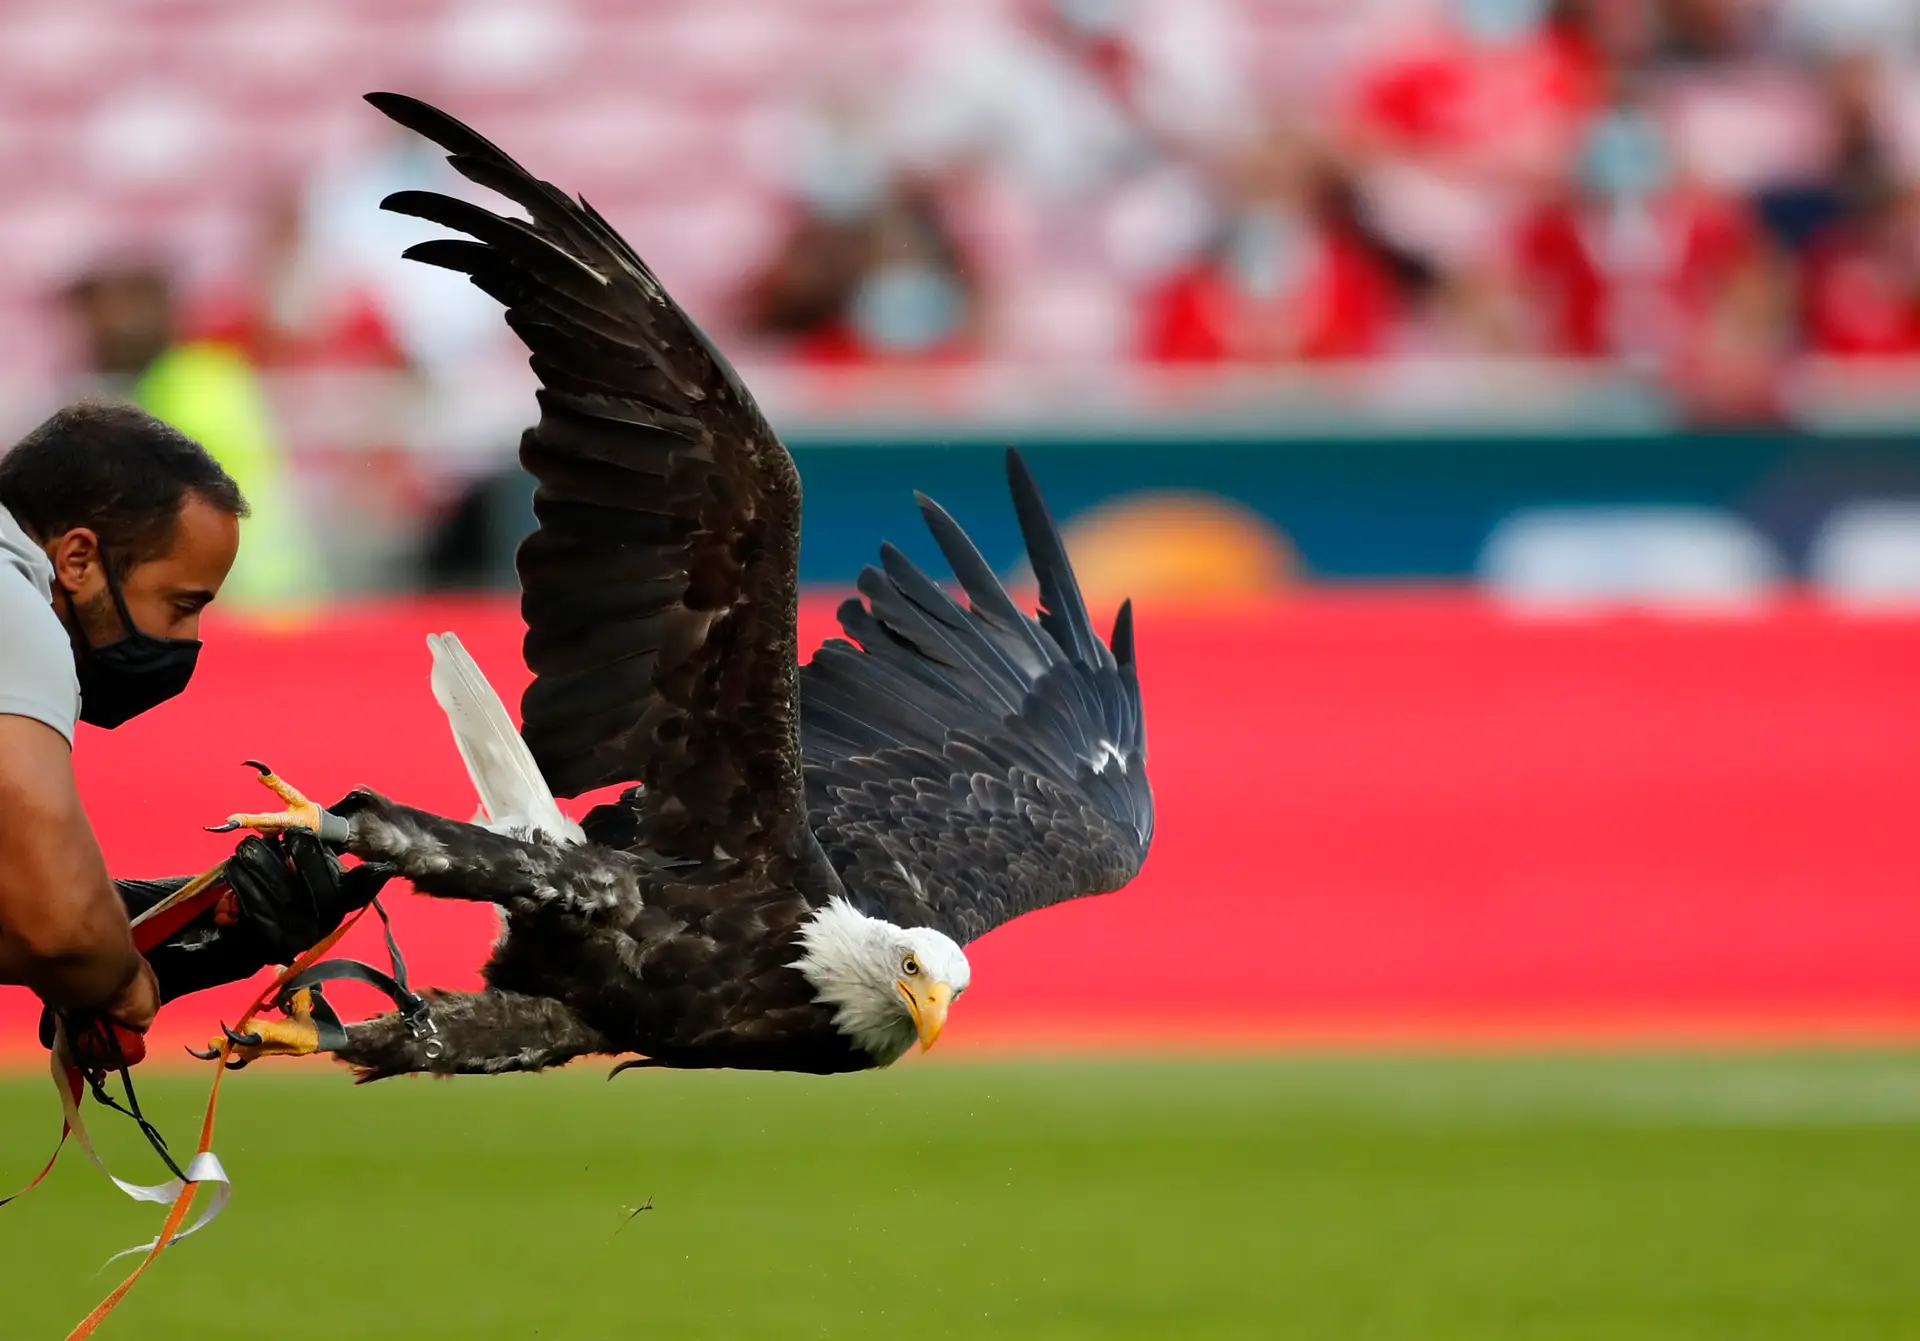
point(659, 590)
point(972, 764)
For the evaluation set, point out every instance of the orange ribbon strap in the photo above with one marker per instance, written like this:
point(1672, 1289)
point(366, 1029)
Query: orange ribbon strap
point(178, 1214)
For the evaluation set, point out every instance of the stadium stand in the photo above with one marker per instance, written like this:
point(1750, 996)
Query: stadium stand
point(168, 124)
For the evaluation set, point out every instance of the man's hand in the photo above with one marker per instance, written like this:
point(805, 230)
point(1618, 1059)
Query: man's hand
point(113, 1035)
point(137, 1003)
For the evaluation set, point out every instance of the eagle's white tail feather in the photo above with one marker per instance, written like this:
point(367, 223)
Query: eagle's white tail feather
point(513, 794)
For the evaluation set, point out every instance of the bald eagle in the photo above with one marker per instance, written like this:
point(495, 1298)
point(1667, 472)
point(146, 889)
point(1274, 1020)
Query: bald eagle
point(808, 848)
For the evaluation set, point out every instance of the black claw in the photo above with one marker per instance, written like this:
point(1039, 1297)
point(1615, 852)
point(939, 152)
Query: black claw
point(257, 766)
point(238, 1064)
point(209, 1055)
point(228, 827)
point(242, 1040)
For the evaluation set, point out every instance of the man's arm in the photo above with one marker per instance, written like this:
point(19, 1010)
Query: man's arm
point(63, 930)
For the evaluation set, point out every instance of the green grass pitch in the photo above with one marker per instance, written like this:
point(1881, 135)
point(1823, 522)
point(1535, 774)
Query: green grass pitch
point(1564, 1198)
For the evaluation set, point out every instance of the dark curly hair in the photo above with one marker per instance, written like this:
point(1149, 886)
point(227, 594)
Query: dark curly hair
point(116, 470)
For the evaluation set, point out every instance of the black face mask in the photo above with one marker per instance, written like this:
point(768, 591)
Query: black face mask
point(136, 671)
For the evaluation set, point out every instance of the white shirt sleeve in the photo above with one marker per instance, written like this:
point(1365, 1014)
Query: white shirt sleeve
point(37, 678)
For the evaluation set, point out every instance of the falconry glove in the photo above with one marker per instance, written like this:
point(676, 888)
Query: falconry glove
point(285, 893)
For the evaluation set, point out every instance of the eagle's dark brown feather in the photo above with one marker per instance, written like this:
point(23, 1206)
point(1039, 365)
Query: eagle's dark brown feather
point(659, 589)
point(691, 973)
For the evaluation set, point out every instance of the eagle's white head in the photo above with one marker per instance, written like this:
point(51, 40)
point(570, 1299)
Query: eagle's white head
point(888, 985)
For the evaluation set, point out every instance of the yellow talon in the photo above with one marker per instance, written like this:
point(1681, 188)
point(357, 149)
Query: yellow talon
point(295, 1036)
point(299, 814)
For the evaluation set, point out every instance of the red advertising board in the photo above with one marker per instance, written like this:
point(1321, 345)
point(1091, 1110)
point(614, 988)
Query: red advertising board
point(1391, 817)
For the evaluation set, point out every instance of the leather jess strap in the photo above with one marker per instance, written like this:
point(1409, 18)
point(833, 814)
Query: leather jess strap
point(204, 1162)
point(412, 1007)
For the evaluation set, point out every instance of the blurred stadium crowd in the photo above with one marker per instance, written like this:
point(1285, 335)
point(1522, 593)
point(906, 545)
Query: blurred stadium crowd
point(1695, 195)
point(1675, 183)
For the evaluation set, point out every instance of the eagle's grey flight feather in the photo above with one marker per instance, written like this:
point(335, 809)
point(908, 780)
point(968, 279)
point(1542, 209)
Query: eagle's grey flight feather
point(968, 765)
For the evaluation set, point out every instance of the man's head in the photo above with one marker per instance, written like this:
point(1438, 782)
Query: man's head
point(119, 500)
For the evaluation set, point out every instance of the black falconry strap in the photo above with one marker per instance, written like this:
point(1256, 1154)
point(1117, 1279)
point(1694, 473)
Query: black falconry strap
point(393, 985)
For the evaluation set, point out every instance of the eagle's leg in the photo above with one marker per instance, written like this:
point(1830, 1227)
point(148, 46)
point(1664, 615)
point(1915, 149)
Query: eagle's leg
point(299, 814)
point(478, 1033)
point(454, 860)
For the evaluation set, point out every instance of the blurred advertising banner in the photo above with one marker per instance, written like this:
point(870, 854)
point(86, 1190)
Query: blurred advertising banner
point(1383, 817)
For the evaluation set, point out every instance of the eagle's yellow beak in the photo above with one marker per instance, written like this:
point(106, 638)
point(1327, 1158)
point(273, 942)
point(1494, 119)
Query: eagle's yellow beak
point(928, 1001)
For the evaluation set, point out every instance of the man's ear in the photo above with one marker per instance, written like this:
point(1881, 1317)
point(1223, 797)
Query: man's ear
point(77, 563)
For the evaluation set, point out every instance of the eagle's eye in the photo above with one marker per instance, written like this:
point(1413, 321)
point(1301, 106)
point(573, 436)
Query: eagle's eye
point(910, 966)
